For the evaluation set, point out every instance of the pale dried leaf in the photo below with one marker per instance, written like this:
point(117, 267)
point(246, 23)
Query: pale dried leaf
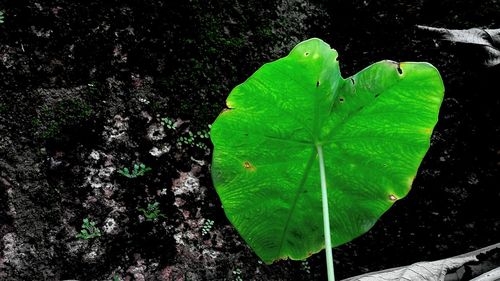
point(430, 271)
point(425, 271)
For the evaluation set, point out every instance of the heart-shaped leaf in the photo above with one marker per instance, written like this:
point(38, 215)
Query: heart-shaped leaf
point(374, 129)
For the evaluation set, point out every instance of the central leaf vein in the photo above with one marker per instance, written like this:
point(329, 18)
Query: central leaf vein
point(300, 189)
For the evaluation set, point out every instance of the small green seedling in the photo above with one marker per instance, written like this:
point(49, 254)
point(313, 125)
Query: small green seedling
point(187, 140)
point(305, 266)
point(195, 139)
point(168, 122)
point(2, 17)
point(137, 171)
point(207, 226)
point(297, 138)
point(204, 134)
point(89, 230)
point(237, 275)
point(152, 212)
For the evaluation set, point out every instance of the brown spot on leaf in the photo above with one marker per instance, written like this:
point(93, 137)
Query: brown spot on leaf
point(248, 166)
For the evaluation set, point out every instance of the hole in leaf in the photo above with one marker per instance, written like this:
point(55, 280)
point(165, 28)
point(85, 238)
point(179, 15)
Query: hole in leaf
point(317, 83)
point(376, 95)
point(400, 71)
point(341, 99)
point(352, 81)
point(306, 54)
point(392, 197)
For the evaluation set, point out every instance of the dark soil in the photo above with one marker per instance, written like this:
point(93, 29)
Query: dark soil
point(83, 89)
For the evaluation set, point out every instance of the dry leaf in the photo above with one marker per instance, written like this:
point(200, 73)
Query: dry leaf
point(488, 40)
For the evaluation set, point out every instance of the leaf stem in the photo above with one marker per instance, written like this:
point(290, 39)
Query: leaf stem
point(326, 216)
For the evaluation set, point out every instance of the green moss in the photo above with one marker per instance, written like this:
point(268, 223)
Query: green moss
point(66, 114)
point(215, 36)
point(264, 31)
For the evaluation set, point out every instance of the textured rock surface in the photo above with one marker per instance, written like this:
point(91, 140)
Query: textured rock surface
point(84, 88)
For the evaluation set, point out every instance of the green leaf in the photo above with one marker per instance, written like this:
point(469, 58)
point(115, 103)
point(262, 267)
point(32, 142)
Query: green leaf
point(374, 129)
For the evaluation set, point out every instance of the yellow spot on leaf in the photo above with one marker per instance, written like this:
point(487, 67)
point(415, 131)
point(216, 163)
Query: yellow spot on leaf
point(426, 130)
point(248, 166)
point(229, 105)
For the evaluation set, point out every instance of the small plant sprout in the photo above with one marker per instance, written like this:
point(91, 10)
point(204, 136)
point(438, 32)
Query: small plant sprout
point(204, 134)
point(1, 16)
point(237, 275)
point(137, 171)
point(152, 212)
point(305, 266)
point(187, 140)
point(195, 139)
point(207, 226)
point(168, 122)
point(89, 230)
